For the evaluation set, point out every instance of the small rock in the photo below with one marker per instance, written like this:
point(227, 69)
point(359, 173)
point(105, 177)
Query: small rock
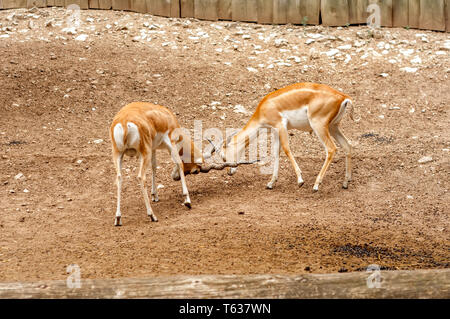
point(98, 141)
point(19, 176)
point(425, 159)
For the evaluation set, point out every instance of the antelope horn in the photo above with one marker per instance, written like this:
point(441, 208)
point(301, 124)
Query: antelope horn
point(210, 150)
point(205, 168)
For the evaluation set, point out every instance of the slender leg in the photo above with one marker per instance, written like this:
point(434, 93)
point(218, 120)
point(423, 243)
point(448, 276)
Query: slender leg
point(117, 159)
point(142, 178)
point(276, 163)
point(284, 139)
point(177, 160)
point(343, 141)
point(154, 188)
point(324, 136)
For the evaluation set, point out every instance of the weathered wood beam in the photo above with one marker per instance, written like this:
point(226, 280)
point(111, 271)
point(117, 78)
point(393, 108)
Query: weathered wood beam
point(394, 284)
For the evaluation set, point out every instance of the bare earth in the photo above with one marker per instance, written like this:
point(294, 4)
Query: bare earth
point(58, 95)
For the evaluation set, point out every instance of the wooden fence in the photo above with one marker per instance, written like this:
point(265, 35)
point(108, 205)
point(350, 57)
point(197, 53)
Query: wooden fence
point(421, 14)
point(393, 284)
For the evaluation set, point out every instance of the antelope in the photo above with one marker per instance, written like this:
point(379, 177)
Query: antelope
point(302, 106)
point(139, 129)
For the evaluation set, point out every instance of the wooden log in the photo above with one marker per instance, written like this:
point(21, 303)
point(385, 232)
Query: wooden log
point(432, 15)
point(357, 11)
point(121, 5)
point(138, 6)
point(224, 12)
point(393, 284)
point(36, 3)
point(13, 4)
point(414, 13)
point(83, 4)
point(187, 8)
point(264, 11)
point(335, 12)
point(206, 9)
point(400, 13)
point(280, 8)
point(244, 10)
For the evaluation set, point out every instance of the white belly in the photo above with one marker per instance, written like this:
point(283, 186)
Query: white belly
point(296, 119)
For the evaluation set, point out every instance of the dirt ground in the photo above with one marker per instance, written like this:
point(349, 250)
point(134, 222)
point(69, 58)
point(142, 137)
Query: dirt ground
point(59, 92)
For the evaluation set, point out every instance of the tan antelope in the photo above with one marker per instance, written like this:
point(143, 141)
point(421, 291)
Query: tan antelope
point(302, 106)
point(141, 128)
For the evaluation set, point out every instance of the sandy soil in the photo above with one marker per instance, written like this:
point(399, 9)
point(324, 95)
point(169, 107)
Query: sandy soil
point(58, 95)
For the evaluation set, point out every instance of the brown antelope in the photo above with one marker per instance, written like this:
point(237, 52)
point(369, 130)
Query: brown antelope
point(303, 106)
point(141, 128)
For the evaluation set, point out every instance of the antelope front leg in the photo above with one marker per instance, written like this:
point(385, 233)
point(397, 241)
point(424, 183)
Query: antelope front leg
point(276, 163)
point(177, 160)
point(142, 178)
point(154, 187)
point(118, 164)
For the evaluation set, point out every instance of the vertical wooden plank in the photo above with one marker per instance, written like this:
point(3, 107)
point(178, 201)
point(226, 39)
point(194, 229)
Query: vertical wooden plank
point(280, 8)
point(206, 9)
point(187, 8)
point(294, 14)
point(83, 4)
point(1, 4)
point(175, 8)
point(310, 11)
point(93, 4)
point(121, 4)
point(59, 3)
point(447, 15)
point(413, 13)
point(244, 10)
point(105, 4)
point(224, 10)
point(159, 7)
point(13, 4)
point(386, 11)
point(432, 15)
point(138, 6)
point(264, 11)
point(400, 13)
point(358, 11)
point(50, 3)
point(36, 3)
point(334, 12)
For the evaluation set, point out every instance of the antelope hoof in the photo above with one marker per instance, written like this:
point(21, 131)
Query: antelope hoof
point(316, 188)
point(118, 221)
point(187, 204)
point(153, 218)
point(345, 185)
point(269, 186)
point(155, 198)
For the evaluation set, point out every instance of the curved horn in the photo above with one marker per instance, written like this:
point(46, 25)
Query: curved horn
point(210, 149)
point(205, 168)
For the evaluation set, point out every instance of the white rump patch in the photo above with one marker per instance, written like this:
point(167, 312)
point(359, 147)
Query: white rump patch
point(133, 137)
point(118, 137)
point(297, 119)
